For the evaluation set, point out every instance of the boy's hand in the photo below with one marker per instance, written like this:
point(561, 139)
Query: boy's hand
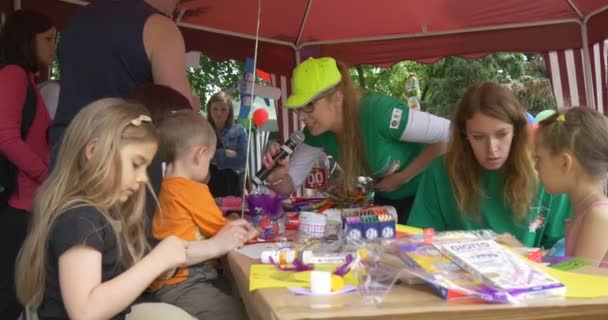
point(233, 216)
point(232, 235)
point(252, 233)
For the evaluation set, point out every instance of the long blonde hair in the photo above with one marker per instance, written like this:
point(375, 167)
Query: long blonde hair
point(352, 151)
point(78, 181)
point(464, 171)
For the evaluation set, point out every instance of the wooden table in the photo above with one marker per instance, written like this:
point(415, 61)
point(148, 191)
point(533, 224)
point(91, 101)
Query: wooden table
point(403, 302)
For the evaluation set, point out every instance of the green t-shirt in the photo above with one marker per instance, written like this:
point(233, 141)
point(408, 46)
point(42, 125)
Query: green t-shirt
point(435, 207)
point(382, 120)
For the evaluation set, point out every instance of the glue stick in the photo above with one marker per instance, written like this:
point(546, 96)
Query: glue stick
point(288, 255)
point(281, 256)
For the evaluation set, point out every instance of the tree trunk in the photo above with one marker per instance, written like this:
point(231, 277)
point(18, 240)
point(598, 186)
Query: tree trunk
point(361, 76)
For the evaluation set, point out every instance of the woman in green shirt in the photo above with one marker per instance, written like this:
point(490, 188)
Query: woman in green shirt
point(377, 136)
point(486, 180)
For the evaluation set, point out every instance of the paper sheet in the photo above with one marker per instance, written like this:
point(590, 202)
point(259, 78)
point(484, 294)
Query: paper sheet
point(407, 229)
point(254, 251)
point(578, 285)
point(268, 276)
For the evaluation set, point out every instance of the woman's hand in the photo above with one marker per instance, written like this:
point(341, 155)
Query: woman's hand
point(282, 168)
point(230, 153)
point(508, 240)
point(390, 183)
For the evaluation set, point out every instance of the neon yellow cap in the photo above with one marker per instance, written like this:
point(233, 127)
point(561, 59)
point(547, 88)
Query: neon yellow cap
point(310, 79)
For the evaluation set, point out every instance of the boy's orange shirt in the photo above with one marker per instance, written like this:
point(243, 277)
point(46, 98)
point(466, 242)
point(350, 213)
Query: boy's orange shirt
point(186, 210)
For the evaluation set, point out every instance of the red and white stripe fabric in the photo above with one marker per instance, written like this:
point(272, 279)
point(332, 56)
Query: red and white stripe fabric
point(286, 118)
point(567, 73)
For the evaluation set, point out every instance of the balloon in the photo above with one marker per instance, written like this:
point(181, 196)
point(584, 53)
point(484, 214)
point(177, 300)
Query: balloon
point(530, 117)
point(544, 115)
point(260, 116)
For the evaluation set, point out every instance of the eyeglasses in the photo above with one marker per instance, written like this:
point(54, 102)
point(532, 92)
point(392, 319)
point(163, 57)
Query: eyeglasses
point(308, 108)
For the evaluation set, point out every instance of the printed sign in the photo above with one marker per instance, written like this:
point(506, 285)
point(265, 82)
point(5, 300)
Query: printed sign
point(317, 179)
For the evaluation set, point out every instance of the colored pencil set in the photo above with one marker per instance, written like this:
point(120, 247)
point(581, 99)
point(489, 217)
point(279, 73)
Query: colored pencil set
point(370, 223)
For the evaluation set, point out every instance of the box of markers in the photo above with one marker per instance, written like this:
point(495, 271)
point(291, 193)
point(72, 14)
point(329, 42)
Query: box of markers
point(500, 268)
point(370, 223)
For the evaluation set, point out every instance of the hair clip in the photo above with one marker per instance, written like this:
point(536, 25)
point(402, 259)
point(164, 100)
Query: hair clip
point(142, 118)
point(561, 118)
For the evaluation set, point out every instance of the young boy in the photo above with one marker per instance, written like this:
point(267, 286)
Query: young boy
point(188, 210)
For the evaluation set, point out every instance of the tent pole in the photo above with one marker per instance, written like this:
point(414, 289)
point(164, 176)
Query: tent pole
point(234, 34)
point(78, 2)
point(303, 24)
point(587, 65)
point(442, 33)
point(576, 9)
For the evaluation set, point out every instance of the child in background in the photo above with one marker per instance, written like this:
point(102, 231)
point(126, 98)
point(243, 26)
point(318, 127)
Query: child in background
point(187, 209)
point(86, 256)
point(572, 158)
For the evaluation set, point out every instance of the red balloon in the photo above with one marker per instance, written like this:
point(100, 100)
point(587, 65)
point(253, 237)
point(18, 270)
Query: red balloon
point(260, 116)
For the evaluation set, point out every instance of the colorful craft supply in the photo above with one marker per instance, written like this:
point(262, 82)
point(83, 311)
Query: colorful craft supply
point(370, 223)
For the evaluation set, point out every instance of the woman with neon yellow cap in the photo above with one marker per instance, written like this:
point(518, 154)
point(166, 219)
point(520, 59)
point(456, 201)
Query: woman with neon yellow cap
point(376, 136)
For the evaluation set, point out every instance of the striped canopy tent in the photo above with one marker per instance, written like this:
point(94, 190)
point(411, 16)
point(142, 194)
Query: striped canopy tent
point(383, 32)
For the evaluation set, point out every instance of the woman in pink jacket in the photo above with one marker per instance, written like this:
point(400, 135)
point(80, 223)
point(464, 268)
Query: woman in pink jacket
point(27, 44)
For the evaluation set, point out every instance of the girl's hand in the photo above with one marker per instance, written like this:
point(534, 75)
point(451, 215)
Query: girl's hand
point(171, 251)
point(168, 274)
point(508, 240)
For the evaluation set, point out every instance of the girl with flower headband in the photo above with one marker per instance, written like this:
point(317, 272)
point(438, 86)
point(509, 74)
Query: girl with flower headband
point(572, 158)
point(373, 135)
point(486, 180)
point(86, 256)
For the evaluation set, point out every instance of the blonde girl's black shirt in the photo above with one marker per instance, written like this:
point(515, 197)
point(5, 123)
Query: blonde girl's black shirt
point(83, 225)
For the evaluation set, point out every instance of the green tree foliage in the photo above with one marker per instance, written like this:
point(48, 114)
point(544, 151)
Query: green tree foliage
point(213, 76)
point(444, 82)
point(441, 83)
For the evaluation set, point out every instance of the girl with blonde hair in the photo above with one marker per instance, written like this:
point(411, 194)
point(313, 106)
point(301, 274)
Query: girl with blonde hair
point(86, 255)
point(486, 180)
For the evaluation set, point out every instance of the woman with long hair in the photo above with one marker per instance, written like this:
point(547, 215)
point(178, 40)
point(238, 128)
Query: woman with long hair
point(27, 45)
point(486, 180)
point(375, 136)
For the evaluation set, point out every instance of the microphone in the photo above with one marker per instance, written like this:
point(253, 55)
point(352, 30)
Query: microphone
point(286, 150)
